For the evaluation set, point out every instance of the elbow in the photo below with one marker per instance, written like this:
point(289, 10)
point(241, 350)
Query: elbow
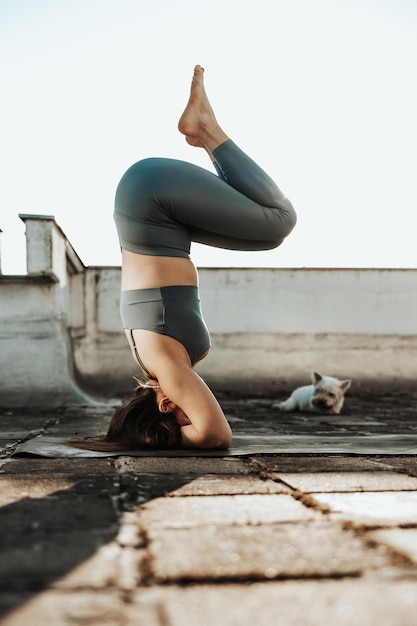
point(215, 441)
point(223, 443)
point(223, 440)
point(207, 439)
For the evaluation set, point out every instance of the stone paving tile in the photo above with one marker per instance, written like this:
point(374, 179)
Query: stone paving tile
point(82, 429)
point(89, 559)
point(350, 420)
point(330, 443)
point(372, 508)
point(139, 488)
point(372, 405)
point(85, 608)
point(69, 467)
point(81, 426)
point(406, 464)
point(146, 487)
point(259, 552)
point(56, 512)
point(111, 566)
point(99, 571)
point(348, 481)
point(181, 465)
point(306, 463)
point(239, 509)
point(15, 487)
point(15, 425)
point(38, 559)
point(401, 539)
point(213, 485)
point(301, 603)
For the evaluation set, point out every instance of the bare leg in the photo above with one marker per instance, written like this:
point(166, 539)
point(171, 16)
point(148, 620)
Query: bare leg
point(198, 122)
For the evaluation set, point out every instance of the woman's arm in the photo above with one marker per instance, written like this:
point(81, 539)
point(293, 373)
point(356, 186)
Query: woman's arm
point(168, 360)
point(208, 426)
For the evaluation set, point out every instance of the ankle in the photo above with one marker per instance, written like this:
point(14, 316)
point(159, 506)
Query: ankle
point(211, 139)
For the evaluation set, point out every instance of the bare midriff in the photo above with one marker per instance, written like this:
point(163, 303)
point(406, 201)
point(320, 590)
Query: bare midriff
point(140, 271)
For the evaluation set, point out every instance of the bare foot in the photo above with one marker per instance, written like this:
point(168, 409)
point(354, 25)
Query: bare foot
point(198, 122)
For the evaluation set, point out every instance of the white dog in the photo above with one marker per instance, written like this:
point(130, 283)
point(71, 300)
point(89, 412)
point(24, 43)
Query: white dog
point(325, 395)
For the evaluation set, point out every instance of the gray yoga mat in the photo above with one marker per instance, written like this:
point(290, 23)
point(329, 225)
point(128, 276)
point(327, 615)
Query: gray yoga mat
point(243, 445)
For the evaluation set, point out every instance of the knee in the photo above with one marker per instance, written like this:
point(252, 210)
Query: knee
point(290, 217)
point(286, 219)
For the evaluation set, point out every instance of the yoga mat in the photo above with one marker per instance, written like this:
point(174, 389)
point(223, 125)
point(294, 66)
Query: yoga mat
point(243, 445)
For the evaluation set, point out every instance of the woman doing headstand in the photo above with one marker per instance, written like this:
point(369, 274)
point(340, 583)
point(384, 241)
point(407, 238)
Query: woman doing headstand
point(161, 206)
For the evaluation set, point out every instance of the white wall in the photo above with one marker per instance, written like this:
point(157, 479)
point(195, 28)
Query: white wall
point(60, 330)
point(352, 301)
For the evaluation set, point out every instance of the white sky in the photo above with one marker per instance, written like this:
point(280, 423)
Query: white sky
point(322, 93)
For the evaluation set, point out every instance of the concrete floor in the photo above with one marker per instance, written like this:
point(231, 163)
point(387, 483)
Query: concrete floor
point(265, 539)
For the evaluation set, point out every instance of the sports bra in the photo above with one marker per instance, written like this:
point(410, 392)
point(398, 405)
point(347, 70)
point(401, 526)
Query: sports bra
point(145, 369)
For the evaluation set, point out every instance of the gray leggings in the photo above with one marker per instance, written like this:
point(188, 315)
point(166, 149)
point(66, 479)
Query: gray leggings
point(162, 205)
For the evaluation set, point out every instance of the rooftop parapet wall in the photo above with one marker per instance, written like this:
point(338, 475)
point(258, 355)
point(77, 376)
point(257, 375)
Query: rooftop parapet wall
point(36, 357)
point(60, 329)
point(271, 327)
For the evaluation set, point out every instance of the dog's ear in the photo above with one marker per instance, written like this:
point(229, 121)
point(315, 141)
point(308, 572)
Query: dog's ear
point(316, 377)
point(345, 384)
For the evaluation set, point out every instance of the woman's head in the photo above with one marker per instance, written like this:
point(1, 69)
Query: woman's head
point(146, 420)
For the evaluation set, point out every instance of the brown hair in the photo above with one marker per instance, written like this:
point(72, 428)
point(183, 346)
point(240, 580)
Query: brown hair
point(136, 424)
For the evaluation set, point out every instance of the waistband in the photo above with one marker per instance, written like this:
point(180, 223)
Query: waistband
point(155, 294)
